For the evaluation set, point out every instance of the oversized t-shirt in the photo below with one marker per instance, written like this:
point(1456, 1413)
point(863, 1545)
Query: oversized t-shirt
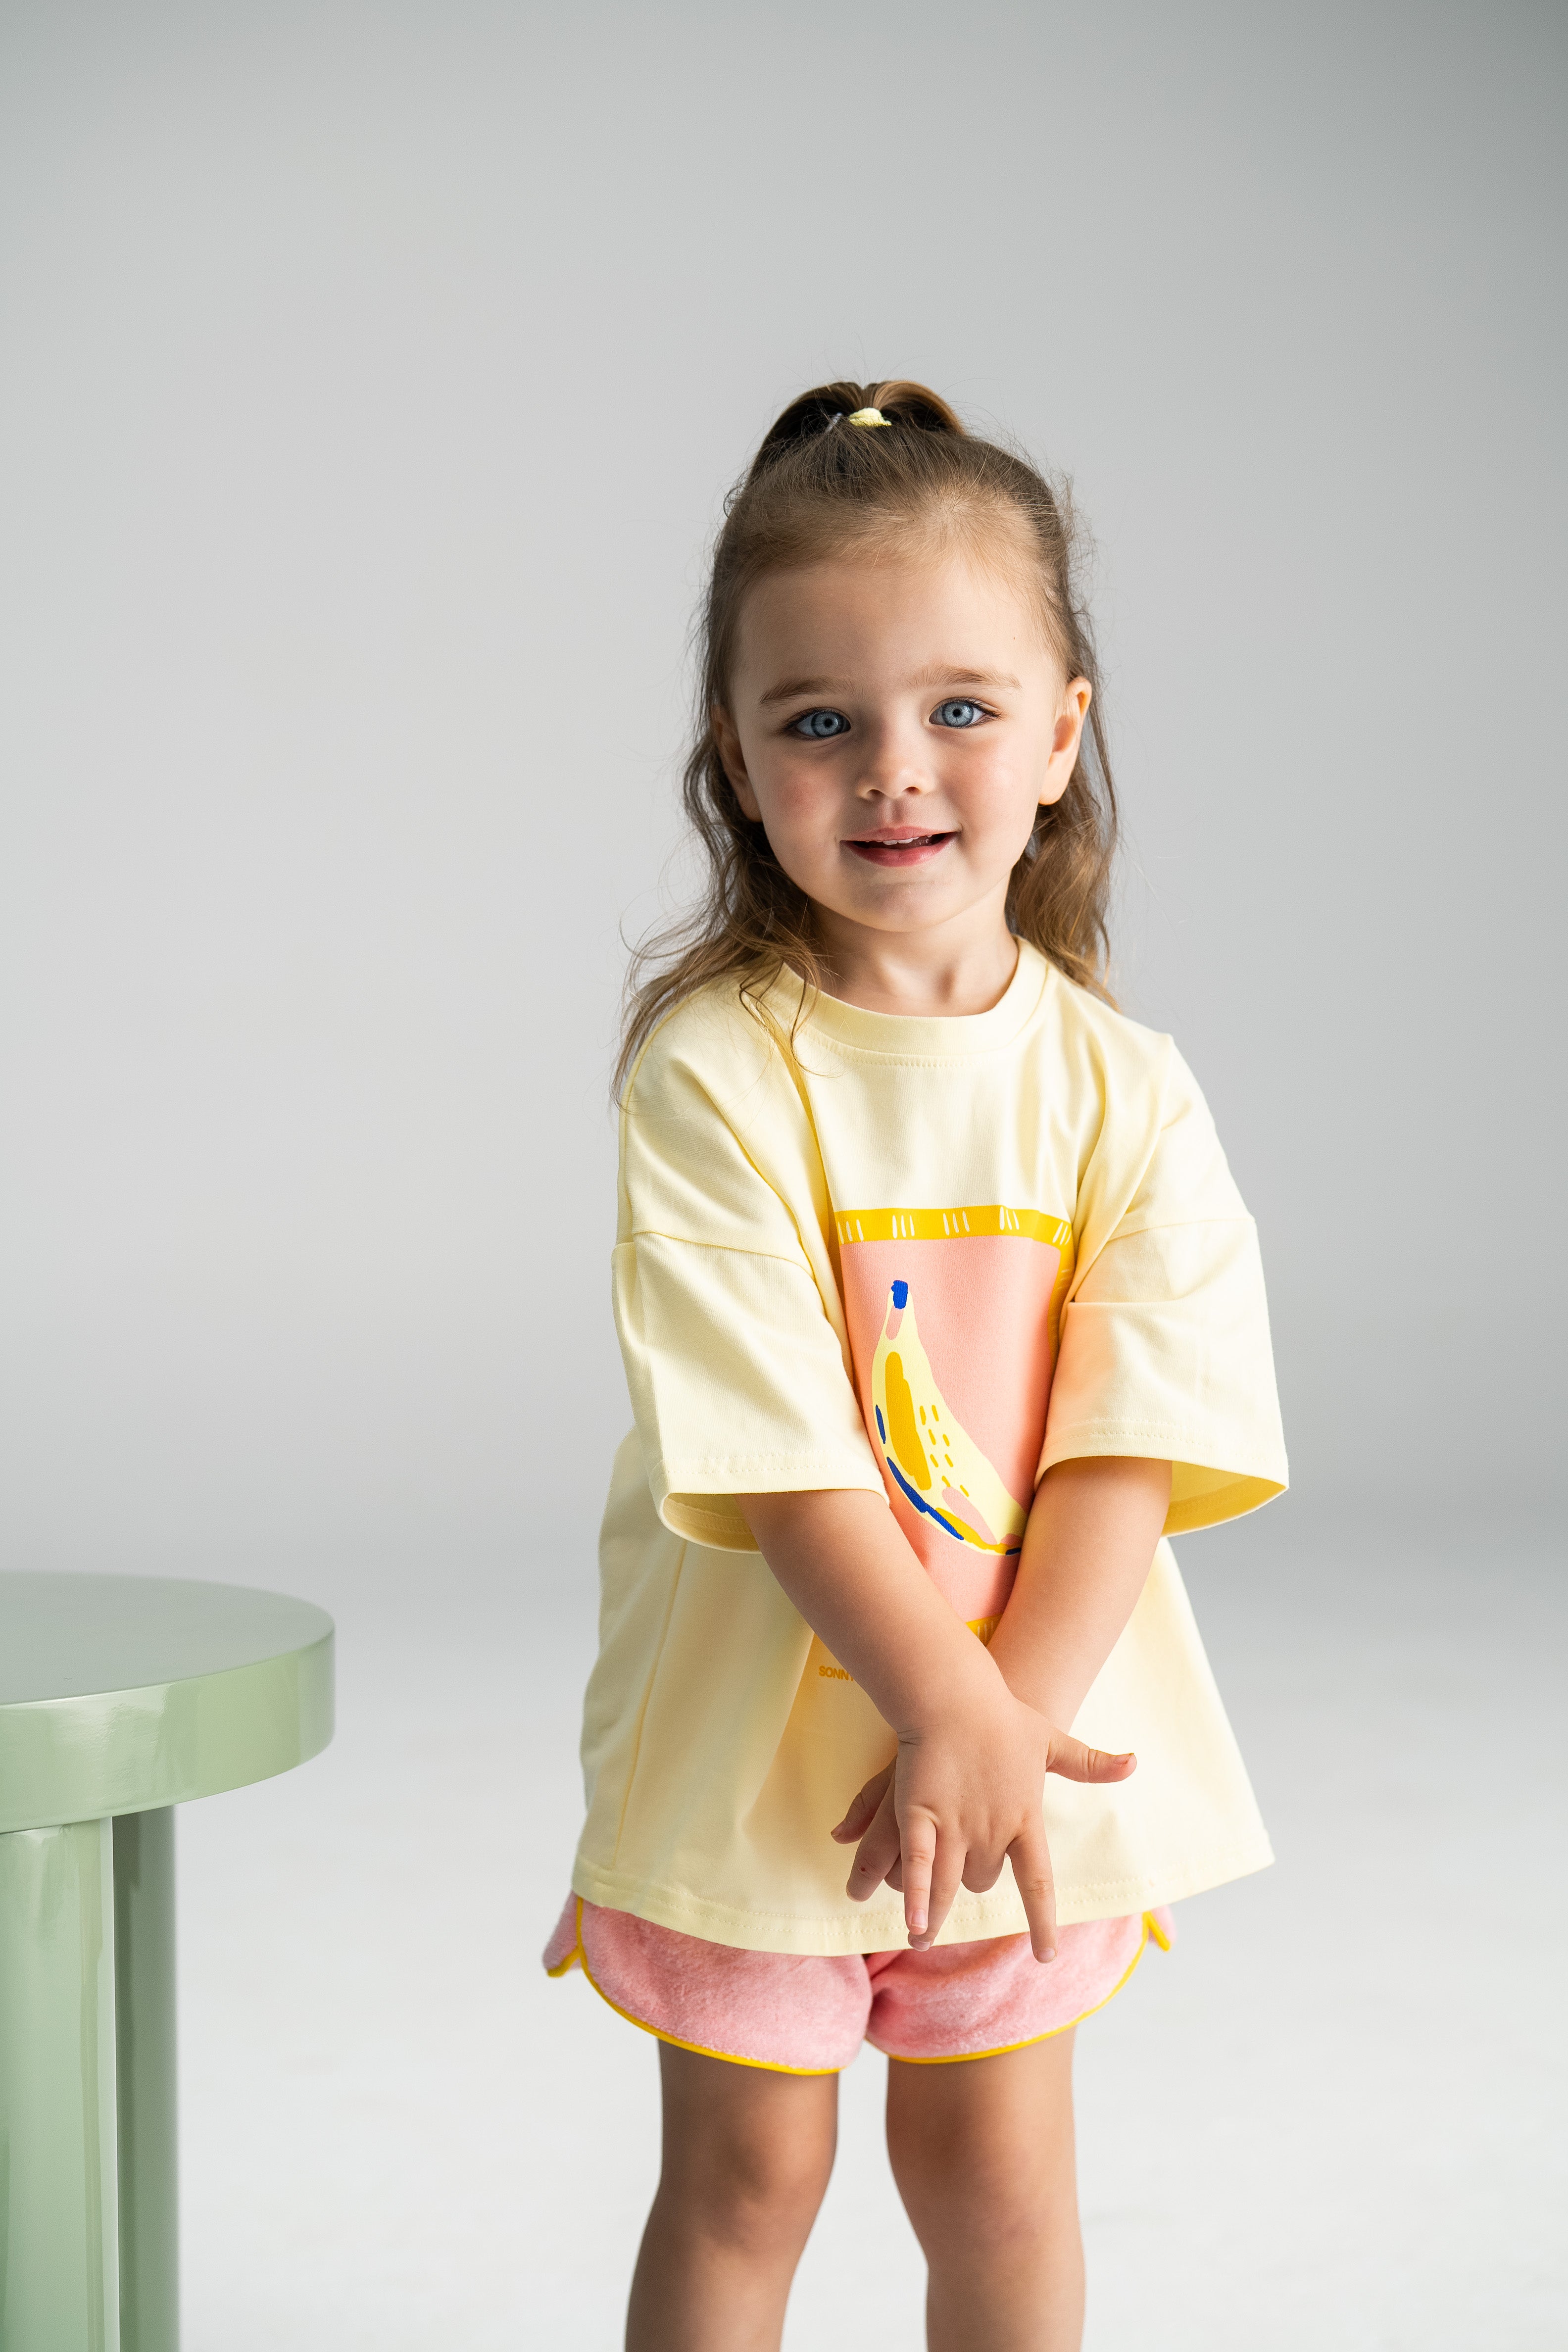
point(927, 1258)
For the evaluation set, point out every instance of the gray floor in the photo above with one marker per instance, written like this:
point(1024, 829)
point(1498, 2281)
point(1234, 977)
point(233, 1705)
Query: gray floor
point(1329, 2118)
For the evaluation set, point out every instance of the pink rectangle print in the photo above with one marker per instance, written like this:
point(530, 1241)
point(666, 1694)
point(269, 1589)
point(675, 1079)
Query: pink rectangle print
point(981, 1305)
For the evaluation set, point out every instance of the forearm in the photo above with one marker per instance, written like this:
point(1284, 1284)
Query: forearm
point(964, 1792)
point(1088, 1549)
point(842, 1559)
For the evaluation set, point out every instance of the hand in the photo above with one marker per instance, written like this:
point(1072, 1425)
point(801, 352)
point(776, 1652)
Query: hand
point(958, 1801)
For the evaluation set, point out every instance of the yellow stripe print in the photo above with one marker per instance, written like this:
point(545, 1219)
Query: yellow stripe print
point(951, 1225)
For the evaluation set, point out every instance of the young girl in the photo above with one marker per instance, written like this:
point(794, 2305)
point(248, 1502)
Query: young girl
point(939, 1310)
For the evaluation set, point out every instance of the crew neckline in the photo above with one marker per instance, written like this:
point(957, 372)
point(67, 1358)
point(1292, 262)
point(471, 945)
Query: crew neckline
point(943, 1037)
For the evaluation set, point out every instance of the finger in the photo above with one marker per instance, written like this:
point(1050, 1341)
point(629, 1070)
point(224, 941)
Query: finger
point(917, 1854)
point(946, 1877)
point(982, 1870)
point(876, 1852)
point(1031, 1860)
point(862, 1809)
point(1074, 1761)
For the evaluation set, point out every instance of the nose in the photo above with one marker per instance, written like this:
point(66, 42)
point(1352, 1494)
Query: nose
point(894, 762)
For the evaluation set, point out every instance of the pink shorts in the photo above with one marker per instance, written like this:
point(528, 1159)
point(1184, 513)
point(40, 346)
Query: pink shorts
point(809, 2015)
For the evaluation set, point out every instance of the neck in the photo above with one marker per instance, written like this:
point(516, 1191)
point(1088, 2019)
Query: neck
point(939, 973)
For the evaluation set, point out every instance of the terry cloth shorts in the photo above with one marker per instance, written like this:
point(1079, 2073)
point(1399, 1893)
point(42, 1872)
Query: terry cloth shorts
point(809, 2015)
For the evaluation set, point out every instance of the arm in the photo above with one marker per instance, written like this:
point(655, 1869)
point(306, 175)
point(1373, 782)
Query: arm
point(1087, 1550)
point(967, 1780)
point(1087, 1553)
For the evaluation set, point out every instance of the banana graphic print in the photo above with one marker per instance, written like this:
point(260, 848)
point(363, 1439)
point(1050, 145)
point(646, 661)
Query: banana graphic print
point(937, 1465)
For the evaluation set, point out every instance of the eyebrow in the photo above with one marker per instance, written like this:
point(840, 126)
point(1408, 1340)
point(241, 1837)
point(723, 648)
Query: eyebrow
point(790, 686)
point(938, 674)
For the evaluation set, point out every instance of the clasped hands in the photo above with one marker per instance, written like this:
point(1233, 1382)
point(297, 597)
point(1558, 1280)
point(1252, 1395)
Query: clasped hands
point(962, 1794)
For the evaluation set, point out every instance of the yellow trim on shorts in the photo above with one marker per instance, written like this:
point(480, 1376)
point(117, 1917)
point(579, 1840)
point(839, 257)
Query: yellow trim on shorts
point(574, 1957)
point(1153, 1932)
point(1151, 1928)
point(731, 2057)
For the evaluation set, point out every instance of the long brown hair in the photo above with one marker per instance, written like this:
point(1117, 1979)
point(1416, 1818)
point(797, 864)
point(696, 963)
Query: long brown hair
point(821, 486)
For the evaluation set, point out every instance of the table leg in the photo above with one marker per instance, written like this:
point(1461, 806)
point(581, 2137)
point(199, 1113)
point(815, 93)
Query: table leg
point(144, 2037)
point(59, 2286)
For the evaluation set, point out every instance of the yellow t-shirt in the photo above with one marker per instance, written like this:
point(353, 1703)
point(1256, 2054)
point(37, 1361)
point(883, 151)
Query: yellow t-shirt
point(927, 1258)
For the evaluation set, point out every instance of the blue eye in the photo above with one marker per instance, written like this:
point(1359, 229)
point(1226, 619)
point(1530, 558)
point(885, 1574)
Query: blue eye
point(958, 713)
point(819, 726)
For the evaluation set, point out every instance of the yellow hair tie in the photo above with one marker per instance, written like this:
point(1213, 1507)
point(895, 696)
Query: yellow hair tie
point(867, 416)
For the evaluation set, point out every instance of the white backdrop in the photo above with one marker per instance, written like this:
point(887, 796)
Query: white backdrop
point(372, 379)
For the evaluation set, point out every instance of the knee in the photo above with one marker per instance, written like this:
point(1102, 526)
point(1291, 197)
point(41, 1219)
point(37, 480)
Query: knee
point(963, 2204)
point(989, 2233)
point(747, 2192)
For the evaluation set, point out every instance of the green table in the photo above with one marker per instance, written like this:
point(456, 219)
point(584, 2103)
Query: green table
point(120, 1697)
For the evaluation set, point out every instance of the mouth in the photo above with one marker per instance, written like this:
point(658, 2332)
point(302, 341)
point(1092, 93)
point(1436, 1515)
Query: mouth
point(899, 845)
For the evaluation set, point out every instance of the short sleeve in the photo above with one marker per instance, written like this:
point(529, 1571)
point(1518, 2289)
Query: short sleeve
point(729, 1317)
point(1164, 1348)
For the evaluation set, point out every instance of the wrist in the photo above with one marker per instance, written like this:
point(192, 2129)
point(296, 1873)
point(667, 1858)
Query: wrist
point(964, 1686)
point(1032, 1681)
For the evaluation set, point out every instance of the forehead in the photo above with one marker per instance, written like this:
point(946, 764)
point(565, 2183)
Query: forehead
point(891, 609)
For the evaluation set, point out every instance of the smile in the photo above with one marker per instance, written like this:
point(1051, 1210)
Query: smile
point(901, 849)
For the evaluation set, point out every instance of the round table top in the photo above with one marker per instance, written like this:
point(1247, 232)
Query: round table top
point(122, 1693)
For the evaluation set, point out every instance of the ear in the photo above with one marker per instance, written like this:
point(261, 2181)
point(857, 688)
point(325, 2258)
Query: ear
point(730, 759)
point(1071, 713)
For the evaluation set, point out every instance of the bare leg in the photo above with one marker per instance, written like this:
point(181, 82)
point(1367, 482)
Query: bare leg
point(982, 2153)
point(747, 2156)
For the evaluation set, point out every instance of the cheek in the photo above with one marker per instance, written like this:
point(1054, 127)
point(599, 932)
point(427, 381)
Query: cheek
point(795, 794)
point(997, 788)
